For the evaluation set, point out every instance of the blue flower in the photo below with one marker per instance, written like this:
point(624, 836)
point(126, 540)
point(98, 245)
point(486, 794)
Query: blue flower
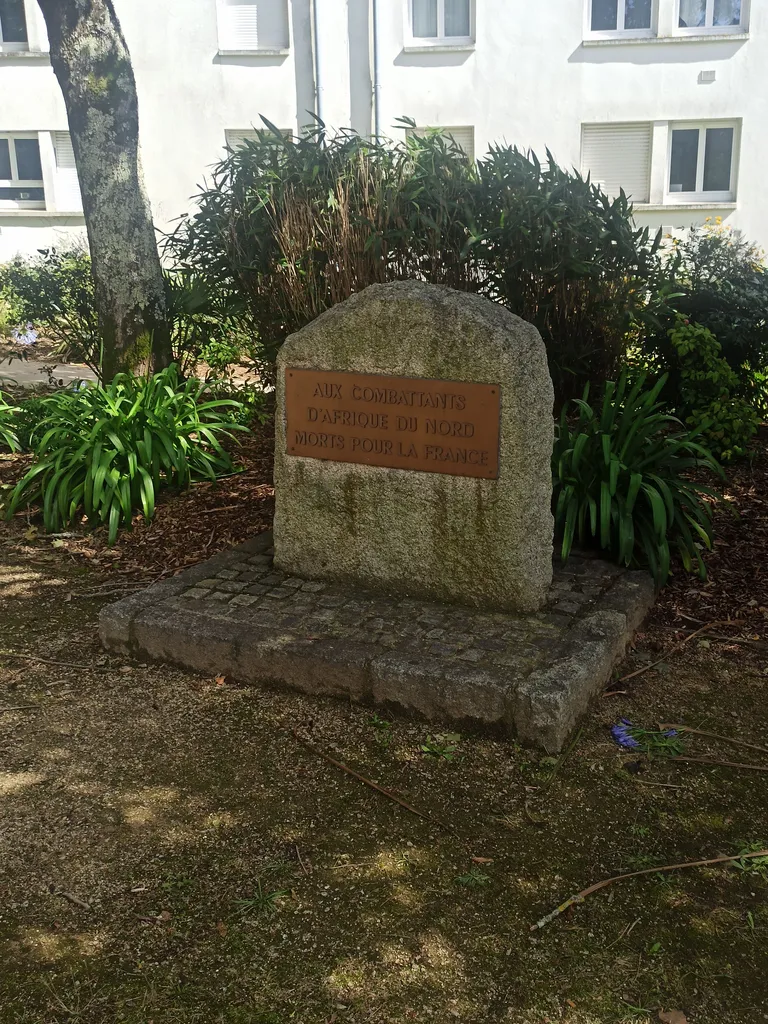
point(621, 734)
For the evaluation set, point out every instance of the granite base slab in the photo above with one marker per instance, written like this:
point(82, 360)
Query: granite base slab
point(533, 674)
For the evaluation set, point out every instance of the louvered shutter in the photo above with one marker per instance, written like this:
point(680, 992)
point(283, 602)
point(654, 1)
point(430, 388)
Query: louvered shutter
point(253, 25)
point(464, 136)
point(618, 156)
point(67, 185)
point(464, 139)
point(235, 138)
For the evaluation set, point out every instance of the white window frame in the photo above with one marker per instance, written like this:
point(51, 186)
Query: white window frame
point(708, 28)
point(441, 39)
point(258, 49)
point(15, 182)
point(22, 47)
point(700, 196)
point(620, 32)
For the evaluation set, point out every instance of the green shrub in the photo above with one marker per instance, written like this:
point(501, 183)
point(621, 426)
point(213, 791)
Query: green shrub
point(708, 392)
point(559, 253)
point(54, 291)
point(7, 320)
point(206, 321)
point(253, 403)
point(620, 481)
point(221, 353)
point(8, 430)
point(106, 451)
point(721, 282)
point(295, 225)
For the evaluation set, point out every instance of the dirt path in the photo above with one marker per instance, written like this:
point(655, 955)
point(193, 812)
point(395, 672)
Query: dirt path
point(25, 372)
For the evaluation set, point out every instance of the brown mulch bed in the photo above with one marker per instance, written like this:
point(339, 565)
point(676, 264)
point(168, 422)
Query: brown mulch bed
point(207, 518)
point(736, 587)
point(187, 527)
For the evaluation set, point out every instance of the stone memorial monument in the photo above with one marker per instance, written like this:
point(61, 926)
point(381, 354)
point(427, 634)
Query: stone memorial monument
point(413, 446)
point(411, 562)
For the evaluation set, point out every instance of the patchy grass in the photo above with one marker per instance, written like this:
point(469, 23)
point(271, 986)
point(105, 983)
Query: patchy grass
point(233, 876)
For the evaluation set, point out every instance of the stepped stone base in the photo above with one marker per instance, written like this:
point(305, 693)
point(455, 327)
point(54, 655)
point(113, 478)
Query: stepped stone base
point(531, 674)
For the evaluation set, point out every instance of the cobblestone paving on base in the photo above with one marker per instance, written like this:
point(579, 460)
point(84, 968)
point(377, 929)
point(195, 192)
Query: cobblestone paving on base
point(255, 593)
point(533, 674)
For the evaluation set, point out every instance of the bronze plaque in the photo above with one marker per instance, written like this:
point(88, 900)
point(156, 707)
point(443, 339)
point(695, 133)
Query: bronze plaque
point(433, 426)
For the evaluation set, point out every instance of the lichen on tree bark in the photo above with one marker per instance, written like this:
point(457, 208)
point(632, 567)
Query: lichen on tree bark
point(93, 66)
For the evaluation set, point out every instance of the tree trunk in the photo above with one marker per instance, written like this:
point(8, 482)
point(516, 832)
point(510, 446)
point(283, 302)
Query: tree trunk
point(92, 63)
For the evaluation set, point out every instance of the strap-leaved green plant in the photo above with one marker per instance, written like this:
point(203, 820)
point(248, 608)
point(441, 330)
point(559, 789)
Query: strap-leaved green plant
point(621, 480)
point(8, 435)
point(106, 451)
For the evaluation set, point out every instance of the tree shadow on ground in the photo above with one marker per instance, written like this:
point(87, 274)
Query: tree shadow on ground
point(231, 875)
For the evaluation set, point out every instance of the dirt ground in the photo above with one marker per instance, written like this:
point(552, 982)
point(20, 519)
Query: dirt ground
point(170, 853)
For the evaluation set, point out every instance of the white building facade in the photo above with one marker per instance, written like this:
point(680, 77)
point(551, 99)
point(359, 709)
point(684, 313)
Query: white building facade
point(665, 98)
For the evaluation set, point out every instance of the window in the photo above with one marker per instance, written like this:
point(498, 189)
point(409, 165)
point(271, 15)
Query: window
point(463, 136)
point(711, 15)
point(253, 25)
point(68, 197)
point(702, 163)
point(13, 25)
point(609, 17)
point(236, 137)
point(441, 20)
point(21, 173)
point(618, 156)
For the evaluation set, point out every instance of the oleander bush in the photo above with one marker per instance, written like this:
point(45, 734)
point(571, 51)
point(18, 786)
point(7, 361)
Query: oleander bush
point(622, 483)
point(557, 251)
point(106, 451)
point(296, 225)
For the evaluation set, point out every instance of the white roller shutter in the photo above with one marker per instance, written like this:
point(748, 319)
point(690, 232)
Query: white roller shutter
point(463, 136)
point(464, 139)
point(618, 156)
point(253, 25)
point(236, 138)
point(68, 196)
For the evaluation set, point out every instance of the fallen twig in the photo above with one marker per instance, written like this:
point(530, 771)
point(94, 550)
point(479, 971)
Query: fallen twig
point(225, 508)
point(722, 764)
point(94, 595)
point(715, 736)
point(368, 782)
point(666, 785)
point(580, 897)
point(677, 647)
point(20, 707)
point(727, 639)
point(307, 871)
point(48, 661)
point(72, 899)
